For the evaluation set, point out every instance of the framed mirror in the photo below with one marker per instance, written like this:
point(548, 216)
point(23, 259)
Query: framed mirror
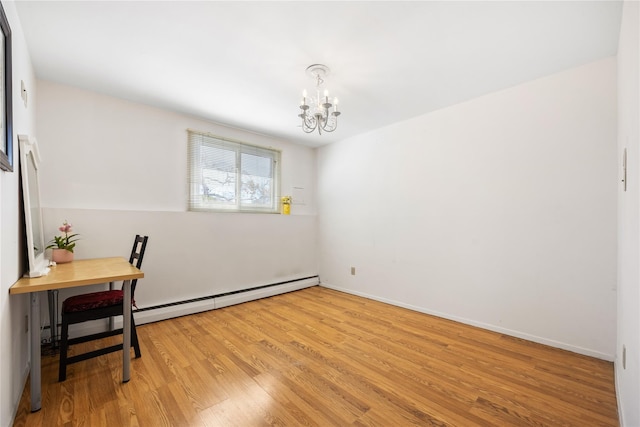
point(6, 109)
point(29, 166)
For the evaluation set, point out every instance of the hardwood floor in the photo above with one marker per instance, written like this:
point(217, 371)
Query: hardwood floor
point(318, 357)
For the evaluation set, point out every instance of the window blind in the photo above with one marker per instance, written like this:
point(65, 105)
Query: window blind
point(228, 175)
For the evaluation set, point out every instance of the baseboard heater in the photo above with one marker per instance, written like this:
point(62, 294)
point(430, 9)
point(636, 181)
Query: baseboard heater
point(212, 302)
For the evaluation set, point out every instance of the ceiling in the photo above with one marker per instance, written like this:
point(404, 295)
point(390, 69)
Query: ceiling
point(243, 63)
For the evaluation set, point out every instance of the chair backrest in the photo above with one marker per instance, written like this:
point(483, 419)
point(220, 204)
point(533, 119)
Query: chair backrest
point(137, 253)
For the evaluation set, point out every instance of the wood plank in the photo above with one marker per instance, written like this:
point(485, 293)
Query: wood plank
point(318, 357)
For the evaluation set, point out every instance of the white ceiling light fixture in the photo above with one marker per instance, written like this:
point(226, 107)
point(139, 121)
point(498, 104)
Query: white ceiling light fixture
point(317, 113)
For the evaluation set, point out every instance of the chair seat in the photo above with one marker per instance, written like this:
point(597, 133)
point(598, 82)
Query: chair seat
point(92, 301)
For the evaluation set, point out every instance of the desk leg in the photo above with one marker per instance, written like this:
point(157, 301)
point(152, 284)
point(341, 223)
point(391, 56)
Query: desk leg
point(36, 379)
point(111, 319)
point(126, 331)
point(53, 317)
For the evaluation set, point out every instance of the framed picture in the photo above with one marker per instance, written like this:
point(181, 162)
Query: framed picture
point(6, 109)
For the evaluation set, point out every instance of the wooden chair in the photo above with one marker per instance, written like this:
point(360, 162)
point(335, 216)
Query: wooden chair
point(98, 305)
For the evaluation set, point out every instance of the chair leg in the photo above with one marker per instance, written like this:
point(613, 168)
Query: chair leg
point(134, 338)
point(64, 346)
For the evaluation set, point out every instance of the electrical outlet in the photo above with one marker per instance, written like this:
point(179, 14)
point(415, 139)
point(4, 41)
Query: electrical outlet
point(353, 271)
point(624, 357)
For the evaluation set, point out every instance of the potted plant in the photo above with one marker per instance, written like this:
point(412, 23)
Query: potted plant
point(62, 246)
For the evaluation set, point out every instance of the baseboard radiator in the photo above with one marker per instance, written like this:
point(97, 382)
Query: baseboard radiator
point(212, 302)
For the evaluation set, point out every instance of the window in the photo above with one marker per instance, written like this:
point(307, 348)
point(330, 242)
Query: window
point(232, 176)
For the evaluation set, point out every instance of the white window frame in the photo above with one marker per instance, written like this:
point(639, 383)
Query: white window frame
point(197, 199)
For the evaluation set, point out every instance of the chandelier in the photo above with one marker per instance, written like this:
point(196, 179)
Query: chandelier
point(317, 114)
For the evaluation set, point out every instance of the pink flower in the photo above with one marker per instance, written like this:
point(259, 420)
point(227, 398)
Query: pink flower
point(65, 228)
point(67, 241)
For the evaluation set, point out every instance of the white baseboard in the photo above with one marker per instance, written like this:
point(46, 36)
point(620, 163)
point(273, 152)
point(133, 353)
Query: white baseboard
point(16, 404)
point(241, 297)
point(618, 399)
point(510, 332)
point(179, 310)
point(170, 312)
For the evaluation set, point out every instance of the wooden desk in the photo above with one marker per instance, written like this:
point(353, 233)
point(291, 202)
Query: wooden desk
point(76, 273)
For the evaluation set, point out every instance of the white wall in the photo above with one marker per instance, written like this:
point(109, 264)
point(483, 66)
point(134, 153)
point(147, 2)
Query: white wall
point(498, 212)
point(115, 168)
point(102, 152)
point(628, 378)
point(14, 342)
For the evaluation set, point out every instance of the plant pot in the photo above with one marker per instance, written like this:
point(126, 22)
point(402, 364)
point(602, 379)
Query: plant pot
point(60, 256)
